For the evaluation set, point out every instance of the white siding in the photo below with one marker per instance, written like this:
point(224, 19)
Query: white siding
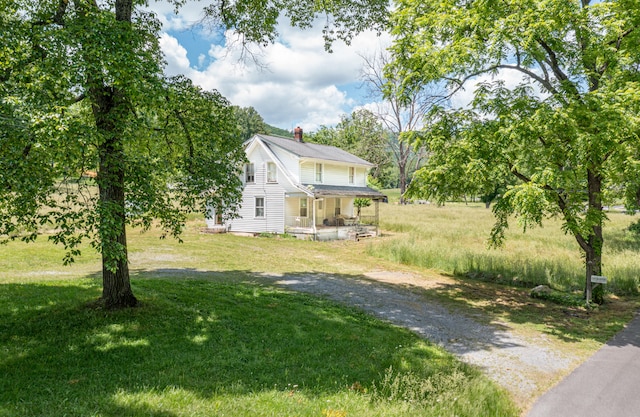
point(308, 172)
point(276, 206)
point(273, 194)
point(289, 161)
point(333, 174)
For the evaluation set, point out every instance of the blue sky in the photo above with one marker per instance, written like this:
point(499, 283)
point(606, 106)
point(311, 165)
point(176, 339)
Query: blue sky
point(295, 83)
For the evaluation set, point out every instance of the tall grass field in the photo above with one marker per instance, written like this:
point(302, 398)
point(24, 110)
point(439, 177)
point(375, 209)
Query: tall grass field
point(454, 239)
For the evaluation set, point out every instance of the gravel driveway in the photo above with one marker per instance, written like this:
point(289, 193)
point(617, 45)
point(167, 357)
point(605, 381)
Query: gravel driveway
point(509, 359)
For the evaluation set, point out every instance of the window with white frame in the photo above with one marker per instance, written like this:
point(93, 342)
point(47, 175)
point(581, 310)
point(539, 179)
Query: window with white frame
point(337, 207)
point(352, 175)
point(303, 207)
point(272, 172)
point(318, 173)
point(259, 206)
point(249, 173)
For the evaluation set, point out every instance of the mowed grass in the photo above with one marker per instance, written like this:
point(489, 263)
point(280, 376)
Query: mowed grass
point(206, 347)
point(454, 239)
point(211, 339)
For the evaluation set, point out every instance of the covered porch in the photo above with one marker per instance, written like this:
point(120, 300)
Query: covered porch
point(332, 213)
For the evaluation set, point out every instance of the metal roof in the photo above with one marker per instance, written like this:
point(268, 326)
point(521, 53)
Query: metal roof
point(321, 190)
point(314, 150)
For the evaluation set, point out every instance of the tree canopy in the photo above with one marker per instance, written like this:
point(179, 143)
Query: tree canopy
point(94, 137)
point(567, 132)
point(83, 94)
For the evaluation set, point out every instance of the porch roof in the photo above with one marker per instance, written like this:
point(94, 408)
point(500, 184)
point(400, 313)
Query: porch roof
point(321, 190)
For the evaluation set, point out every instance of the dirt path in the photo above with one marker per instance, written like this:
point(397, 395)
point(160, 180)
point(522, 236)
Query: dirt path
point(513, 361)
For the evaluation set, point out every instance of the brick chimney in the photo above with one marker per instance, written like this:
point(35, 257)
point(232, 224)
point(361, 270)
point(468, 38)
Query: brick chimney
point(297, 134)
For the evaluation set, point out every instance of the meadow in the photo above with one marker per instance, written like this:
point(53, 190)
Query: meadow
point(212, 338)
point(454, 239)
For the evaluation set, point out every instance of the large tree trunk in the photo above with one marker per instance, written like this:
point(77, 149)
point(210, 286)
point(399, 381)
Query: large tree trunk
point(402, 167)
point(110, 112)
point(593, 245)
point(116, 287)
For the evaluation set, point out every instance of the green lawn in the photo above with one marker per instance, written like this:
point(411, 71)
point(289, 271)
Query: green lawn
point(203, 347)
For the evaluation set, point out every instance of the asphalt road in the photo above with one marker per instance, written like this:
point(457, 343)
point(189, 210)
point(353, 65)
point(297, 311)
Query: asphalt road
point(606, 385)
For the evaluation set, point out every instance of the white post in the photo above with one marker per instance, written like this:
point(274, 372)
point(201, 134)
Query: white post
point(313, 210)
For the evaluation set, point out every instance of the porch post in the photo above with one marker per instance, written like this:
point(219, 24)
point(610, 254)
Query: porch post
point(377, 204)
point(313, 210)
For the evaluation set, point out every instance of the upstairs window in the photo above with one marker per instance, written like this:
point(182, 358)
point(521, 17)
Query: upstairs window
point(250, 173)
point(259, 206)
point(272, 172)
point(352, 175)
point(318, 173)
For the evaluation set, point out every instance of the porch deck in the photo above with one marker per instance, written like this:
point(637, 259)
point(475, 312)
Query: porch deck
point(350, 232)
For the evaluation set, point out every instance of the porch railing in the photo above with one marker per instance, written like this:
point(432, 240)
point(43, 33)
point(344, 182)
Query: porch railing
point(307, 222)
point(297, 221)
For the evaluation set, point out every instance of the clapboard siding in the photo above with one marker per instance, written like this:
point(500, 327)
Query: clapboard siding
point(333, 174)
point(273, 193)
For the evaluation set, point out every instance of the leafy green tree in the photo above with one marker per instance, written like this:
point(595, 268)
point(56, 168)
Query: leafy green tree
point(567, 133)
point(84, 92)
point(362, 134)
point(249, 122)
point(361, 203)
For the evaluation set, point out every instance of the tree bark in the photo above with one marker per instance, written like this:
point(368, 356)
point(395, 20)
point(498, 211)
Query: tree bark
point(402, 167)
point(592, 246)
point(596, 240)
point(116, 285)
point(110, 111)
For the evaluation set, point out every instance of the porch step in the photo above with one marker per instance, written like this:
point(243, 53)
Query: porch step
point(359, 235)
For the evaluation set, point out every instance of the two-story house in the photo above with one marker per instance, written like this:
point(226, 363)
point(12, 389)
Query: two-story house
point(303, 189)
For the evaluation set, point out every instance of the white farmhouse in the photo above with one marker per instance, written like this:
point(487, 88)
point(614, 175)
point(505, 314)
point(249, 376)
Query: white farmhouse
point(303, 189)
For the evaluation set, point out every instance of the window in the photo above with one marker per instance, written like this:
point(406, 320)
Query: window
point(259, 206)
point(318, 173)
point(352, 175)
point(272, 172)
point(337, 209)
point(250, 173)
point(303, 207)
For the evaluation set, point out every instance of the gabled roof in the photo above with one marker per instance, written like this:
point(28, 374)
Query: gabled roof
point(313, 150)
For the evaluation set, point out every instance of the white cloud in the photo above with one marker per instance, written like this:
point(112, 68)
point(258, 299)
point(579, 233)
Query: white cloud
point(187, 17)
point(174, 54)
point(296, 82)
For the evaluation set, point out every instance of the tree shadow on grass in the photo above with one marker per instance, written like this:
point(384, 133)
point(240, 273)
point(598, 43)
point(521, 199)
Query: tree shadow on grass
point(199, 338)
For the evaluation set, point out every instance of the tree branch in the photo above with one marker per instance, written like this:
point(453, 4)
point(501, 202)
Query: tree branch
point(545, 82)
point(62, 10)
